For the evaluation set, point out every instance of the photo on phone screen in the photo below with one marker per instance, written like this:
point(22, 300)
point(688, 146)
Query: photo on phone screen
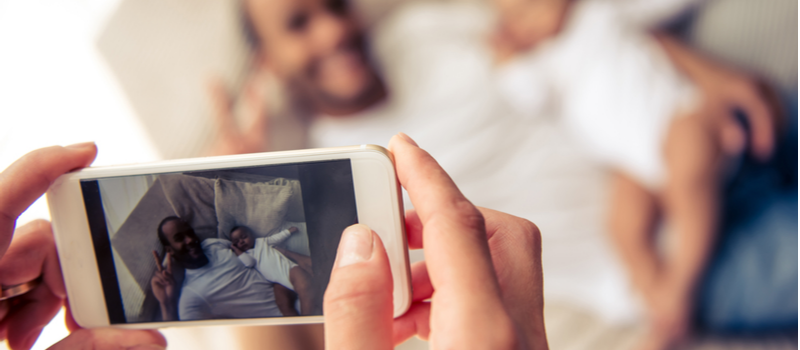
point(248, 242)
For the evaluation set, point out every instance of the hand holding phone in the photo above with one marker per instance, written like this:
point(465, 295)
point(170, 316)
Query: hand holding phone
point(238, 240)
point(31, 256)
point(480, 286)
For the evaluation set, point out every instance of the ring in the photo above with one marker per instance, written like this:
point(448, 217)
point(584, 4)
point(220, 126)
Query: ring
point(19, 289)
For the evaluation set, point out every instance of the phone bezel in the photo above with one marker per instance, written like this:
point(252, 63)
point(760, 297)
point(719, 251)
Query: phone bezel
point(378, 202)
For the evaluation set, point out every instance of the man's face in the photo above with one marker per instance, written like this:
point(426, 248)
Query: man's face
point(242, 238)
point(183, 243)
point(318, 49)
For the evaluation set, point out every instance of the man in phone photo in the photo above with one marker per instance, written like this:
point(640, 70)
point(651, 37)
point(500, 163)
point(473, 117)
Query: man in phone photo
point(216, 283)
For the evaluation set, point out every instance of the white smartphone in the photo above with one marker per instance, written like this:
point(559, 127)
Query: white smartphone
point(233, 240)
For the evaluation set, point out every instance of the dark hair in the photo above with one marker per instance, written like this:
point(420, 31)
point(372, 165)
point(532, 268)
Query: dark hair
point(236, 228)
point(161, 236)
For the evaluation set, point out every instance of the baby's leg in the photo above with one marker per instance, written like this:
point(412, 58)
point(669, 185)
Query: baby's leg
point(284, 298)
point(305, 291)
point(303, 261)
point(634, 215)
point(690, 199)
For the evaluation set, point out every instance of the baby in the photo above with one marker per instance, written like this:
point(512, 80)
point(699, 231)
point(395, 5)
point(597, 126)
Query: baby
point(273, 263)
point(615, 88)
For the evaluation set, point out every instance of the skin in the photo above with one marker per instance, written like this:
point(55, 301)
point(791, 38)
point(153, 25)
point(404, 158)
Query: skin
point(242, 240)
point(28, 253)
point(695, 149)
point(184, 245)
point(524, 24)
point(318, 48)
point(473, 260)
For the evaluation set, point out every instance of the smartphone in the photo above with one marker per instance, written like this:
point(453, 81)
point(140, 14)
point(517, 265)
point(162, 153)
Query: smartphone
point(233, 240)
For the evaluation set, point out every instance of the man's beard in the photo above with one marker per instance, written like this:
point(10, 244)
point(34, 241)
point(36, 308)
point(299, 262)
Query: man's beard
point(307, 92)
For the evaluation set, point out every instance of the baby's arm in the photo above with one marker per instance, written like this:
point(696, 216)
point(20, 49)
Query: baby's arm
point(279, 237)
point(247, 260)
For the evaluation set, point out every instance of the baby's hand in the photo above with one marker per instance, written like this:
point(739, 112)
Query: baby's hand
point(293, 229)
point(236, 250)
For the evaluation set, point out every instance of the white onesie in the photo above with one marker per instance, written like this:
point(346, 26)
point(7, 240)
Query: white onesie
point(613, 85)
point(271, 263)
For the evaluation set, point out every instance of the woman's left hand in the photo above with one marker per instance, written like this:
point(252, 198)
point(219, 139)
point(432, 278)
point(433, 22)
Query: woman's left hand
point(29, 253)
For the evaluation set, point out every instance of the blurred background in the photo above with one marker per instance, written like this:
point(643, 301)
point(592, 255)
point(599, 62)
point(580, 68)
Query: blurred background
point(137, 77)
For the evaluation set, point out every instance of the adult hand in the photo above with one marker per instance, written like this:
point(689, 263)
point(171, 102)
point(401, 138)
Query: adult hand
point(482, 272)
point(726, 90)
point(29, 253)
point(165, 288)
point(234, 137)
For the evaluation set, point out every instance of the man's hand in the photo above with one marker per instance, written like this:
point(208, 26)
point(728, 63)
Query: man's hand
point(482, 272)
point(165, 288)
point(726, 90)
point(293, 230)
point(233, 137)
point(29, 253)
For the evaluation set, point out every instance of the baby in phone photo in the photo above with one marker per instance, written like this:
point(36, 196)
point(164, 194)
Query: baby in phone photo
point(277, 265)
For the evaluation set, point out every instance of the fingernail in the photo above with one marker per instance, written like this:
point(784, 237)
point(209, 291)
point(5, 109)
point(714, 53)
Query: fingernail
point(406, 138)
point(146, 347)
point(82, 145)
point(356, 245)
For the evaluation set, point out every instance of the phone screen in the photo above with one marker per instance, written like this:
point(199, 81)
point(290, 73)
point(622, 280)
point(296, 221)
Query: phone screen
point(249, 242)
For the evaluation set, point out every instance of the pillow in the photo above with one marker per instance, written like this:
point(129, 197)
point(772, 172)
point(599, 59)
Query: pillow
point(261, 206)
point(192, 199)
point(294, 210)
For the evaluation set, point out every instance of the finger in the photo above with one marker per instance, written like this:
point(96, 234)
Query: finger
point(256, 118)
point(413, 229)
point(158, 262)
point(31, 255)
point(29, 177)
point(112, 338)
point(421, 286)
point(733, 137)
point(222, 107)
point(456, 253)
point(169, 264)
point(358, 315)
point(414, 322)
point(70, 322)
point(516, 247)
point(33, 311)
point(761, 121)
point(453, 227)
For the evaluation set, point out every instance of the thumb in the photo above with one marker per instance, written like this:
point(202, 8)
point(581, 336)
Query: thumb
point(111, 338)
point(358, 302)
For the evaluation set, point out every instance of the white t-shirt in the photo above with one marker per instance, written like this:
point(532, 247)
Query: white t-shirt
point(225, 288)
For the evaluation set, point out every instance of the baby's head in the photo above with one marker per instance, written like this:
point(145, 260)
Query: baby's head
point(527, 23)
point(242, 238)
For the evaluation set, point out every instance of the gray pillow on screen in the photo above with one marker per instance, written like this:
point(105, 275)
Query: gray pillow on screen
point(192, 199)
point(261, 206)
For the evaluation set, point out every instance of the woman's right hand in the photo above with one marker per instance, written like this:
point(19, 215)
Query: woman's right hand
point(479, 288)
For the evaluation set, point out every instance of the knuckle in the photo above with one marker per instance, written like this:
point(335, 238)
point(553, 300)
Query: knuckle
point(530, 232)
point(470, 215)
